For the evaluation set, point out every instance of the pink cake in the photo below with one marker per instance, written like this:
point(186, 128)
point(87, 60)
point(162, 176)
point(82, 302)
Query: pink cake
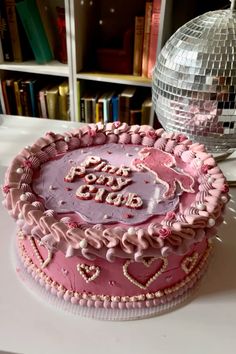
point(115, 216)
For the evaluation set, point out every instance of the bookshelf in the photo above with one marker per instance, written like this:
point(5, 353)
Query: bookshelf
point(90, 25)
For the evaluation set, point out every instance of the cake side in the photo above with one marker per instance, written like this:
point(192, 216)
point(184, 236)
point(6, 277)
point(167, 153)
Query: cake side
point(115, 216)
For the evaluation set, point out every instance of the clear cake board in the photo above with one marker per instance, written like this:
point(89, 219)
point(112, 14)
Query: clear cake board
point(44, 295)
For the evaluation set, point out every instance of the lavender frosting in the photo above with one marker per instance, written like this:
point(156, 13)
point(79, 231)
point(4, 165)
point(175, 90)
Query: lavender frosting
point(61, 196)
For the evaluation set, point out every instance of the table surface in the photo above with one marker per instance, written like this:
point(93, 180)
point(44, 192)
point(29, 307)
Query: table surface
point(207, 324)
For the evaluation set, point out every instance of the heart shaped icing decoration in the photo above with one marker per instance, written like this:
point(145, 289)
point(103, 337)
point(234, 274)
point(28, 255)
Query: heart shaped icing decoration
point(189, 263)
point(147, 264)
point(88, 272)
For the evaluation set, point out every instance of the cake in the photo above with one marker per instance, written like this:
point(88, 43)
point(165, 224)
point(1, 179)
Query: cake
point(115, 216)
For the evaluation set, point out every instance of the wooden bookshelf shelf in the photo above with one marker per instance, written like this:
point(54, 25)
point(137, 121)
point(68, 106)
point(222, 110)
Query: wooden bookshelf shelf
point(54, 68)
point(116, 78)
point(89, 34)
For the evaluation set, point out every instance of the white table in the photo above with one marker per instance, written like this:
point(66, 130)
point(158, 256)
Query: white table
point(205, 325)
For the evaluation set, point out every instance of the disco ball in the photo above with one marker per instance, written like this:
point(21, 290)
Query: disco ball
point(194, 80)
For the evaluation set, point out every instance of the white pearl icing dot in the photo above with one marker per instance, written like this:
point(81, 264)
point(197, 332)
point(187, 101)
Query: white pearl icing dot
point(131, 231)
point(198, 162)
point(224, 199)
point(67, 139)
point(83, 243)
point(211, 222)
point(210, 180)
point(201, 206)
point(23, 197)
point(19, 170)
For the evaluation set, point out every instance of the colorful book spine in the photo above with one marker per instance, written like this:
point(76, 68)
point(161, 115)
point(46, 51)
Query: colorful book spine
point(11, 96)
point(34, 29)
point(25, 99)
point(82, 110)
point(1, 53)
point(115, 108)
point(79, 89)
point(14, 32)
point(88, 110)
point(17, 96)
point(138, 45)
point(97, 113)
point(126, 102)
point(61, 28)
point(32, 89)
point(135, 116)
point(5, 34)
point(42, 102)
point(64, 104)
point(52, 102)
point(47, 20)
point(146, 37)
point(5, 98)
point(146, 111)
point(156, 10)
point(2, 99)
point(100, 109)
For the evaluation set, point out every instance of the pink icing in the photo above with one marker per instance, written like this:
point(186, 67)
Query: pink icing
point(160, 163)
point(111, 280)
point(183, 232)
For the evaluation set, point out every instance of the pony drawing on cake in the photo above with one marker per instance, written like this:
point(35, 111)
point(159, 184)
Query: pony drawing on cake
point(161, 164)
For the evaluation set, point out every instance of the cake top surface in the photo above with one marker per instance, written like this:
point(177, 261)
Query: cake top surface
point(116, 191)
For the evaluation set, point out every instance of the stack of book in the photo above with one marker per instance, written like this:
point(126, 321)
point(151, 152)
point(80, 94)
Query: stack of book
point(32, 97)
point(146, 39)
point(28, 32)
point(131, 105)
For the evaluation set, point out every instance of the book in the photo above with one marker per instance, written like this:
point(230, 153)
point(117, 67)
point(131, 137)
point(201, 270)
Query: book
point(5, 34)
point(52, 102)
point(100, 117)
point(25, 98)
point(90, 107)
point(17, 84)
point(135, 116)
point(5, 97)
point(1, 53)
point(155, 21)
point(126, 102)
point(146, 111)
point(48, 23)
point(64, 103)
point(20, 45)
point(146, 37)
point(138, 45)
point(2, 99)
point(32, 93)
point(80, 88)
point(115, 108)
point(106, 101)
point(117, 60)
point(42, 94)
point(11, 96)
point(61, 28)
point(99, 111)
point(34, 29)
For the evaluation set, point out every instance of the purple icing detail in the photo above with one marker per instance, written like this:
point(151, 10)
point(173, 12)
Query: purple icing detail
point(53, 173)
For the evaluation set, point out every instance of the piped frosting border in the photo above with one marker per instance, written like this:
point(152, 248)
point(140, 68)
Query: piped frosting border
point(177, 230)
